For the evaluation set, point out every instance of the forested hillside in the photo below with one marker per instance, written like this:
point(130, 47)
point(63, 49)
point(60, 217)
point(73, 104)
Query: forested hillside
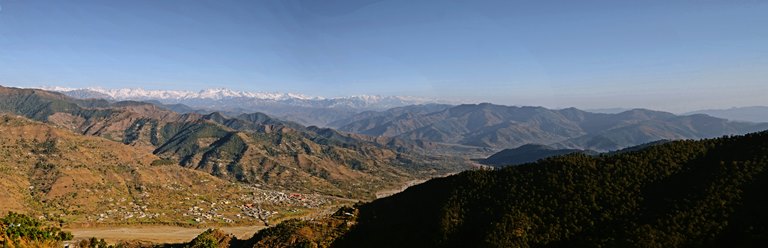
point(708, 193)
point(684, 193)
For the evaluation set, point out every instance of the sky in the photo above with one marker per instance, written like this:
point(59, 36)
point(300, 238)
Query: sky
point(667, 55)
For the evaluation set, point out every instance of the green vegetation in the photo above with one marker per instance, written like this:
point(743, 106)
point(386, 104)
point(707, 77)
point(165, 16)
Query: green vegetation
point(93, 243)
point(22, 230)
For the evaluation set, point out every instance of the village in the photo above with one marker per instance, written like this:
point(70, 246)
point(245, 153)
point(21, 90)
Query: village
point(257, 206)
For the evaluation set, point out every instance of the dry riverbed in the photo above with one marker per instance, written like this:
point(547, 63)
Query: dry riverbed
point(156, 234)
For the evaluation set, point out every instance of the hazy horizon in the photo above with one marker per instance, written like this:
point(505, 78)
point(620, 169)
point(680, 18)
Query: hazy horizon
point(676, 57)
point(603, 109)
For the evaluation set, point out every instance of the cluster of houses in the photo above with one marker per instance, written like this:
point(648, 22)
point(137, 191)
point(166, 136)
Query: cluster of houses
point(201, 216)
point(258, 205)
point(127, 211)
point(278, 198)
point(262, 204)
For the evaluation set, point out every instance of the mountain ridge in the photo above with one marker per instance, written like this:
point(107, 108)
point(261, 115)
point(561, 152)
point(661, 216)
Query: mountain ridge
point(300, 108)
point(225, 93)
point(750, 113)
point(500, 127)
point(527, 154)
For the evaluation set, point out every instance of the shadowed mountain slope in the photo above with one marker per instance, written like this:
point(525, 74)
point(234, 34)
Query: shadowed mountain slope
point(527, 154)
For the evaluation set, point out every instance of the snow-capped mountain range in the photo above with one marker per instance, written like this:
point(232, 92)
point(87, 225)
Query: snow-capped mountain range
point(310, 110)
point(220, 94)
point(139, 93)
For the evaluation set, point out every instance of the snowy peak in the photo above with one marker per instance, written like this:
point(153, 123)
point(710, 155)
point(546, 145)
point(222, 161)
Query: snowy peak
point(143, 94)
point(224, 93)
point(228, 98)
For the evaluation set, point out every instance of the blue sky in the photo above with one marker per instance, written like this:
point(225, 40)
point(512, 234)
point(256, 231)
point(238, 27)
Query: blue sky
point(668, 55)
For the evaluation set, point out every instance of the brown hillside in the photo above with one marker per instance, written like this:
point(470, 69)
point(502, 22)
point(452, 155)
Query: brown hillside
point(251, 148)
point(55, 174)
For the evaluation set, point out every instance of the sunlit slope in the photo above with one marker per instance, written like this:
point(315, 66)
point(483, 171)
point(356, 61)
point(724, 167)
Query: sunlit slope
point(61, 175)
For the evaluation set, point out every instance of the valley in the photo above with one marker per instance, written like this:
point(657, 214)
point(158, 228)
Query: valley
point(138, 172)
point(94, 166)
point(373, 123)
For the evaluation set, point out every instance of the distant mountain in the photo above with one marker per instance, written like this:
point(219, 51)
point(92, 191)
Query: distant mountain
point(142, 94)
point(289, 106)
point(527, 154)
point(639, 147)
point(751, 114)
point(252, 148)
point(369, 118)
point(608, 110)
point(500, 127)
point(706, 193)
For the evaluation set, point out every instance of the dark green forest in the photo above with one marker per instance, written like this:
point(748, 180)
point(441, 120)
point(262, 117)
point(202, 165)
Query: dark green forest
point(707, 193)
